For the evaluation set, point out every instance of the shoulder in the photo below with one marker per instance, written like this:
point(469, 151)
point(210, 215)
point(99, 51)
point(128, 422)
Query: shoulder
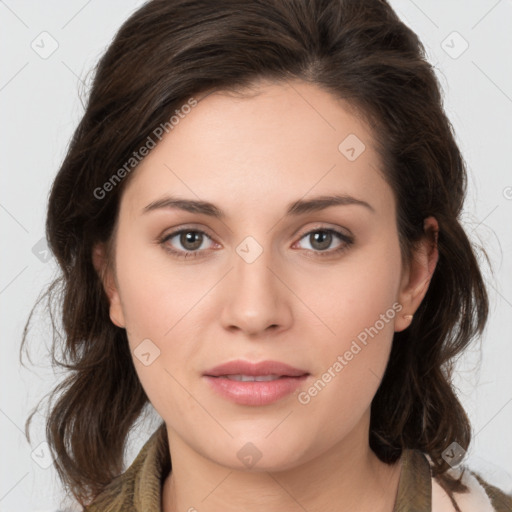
point(481, 495)
point(140, 486)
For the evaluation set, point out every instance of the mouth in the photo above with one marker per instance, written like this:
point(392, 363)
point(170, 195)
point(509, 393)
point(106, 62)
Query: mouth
point(256, 384)
point(272, 369)
point(252, 378)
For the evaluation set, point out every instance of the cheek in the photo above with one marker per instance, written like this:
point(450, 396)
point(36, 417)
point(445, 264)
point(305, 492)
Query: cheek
point(163, 306)
point(353, 295)
point(357, 305)
point(155, 294)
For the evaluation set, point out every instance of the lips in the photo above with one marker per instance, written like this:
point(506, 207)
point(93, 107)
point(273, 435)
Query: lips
point(247, 383)
point(261, 369)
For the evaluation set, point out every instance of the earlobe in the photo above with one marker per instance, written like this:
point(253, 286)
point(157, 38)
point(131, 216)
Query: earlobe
point(416, 279)
point(107, 278)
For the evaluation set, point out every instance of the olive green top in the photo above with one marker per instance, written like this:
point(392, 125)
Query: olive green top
point(139, 488)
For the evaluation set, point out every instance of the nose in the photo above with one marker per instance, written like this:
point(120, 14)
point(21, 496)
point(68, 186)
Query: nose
point(258, 302)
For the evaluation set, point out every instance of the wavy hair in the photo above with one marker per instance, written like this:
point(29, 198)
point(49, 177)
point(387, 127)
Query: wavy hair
point(168, 50)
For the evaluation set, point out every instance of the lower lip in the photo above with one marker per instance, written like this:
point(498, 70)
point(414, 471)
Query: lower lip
point(253, 392)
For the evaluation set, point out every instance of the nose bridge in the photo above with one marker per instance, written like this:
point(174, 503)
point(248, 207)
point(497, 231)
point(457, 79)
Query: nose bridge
point(252, 264)
point(255, 298)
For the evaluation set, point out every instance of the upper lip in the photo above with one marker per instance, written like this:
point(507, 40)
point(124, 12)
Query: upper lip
point(262, 368)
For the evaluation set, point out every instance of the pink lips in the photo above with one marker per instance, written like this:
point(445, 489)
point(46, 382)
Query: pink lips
point(285, 380)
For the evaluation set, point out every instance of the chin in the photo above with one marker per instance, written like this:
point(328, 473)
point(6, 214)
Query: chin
point(257, 454)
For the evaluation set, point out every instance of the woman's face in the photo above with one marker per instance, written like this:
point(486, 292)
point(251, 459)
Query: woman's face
point(265, 279)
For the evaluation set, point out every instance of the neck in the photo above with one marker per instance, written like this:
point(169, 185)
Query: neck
point(349, 474)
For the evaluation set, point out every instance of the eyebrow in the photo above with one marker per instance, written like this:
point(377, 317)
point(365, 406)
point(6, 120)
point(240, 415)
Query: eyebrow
point(295, 208)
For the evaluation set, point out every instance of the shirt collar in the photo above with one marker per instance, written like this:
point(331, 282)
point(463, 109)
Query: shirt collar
point(152, 465)
point(415, 484)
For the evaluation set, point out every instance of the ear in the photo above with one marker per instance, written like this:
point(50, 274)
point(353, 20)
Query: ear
point(107, 277)
point(416, 276)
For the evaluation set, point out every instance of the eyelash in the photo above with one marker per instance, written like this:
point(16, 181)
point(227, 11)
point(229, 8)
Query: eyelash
point(347, 242)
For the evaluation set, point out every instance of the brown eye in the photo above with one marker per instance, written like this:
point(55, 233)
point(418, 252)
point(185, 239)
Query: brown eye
point(191, 240)
point(320, 240)
point(185, 243)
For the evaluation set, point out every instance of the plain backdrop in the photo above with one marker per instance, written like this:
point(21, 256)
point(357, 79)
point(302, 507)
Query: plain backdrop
point(47, 52)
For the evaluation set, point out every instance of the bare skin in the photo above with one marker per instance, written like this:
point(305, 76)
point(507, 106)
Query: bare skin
point(252, 157)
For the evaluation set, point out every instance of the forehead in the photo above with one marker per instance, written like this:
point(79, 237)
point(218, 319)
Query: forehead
point(270, 145)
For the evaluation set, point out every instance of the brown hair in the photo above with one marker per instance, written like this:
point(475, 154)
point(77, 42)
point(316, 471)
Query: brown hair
point(171, 49)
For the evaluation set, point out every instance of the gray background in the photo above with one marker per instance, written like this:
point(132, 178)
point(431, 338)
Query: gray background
point(40, 107)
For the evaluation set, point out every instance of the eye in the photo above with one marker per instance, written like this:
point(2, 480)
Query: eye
point(191, 241)
point(320, 239)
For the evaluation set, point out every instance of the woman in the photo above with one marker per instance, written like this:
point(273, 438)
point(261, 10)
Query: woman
point(258, 227)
